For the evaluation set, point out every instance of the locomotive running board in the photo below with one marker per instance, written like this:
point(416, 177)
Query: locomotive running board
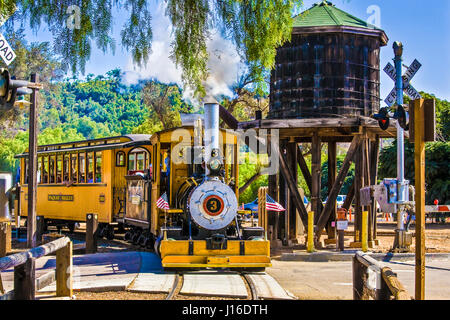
point(175, 254)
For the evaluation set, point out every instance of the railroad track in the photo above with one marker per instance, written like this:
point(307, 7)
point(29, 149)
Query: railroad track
point(209, 284)
point(257, 286)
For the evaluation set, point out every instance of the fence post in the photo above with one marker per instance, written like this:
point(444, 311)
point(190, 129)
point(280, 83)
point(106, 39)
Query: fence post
point(40, 228)
point(394, 285)
point(5, 238)
point(358, 279)
point(91, 232)
point(383, 293)
point(25, 280)
point(64, 271)
point(310, 245)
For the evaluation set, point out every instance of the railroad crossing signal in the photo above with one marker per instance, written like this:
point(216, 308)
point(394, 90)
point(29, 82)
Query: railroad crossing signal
point(407, 87)
point(10, 90)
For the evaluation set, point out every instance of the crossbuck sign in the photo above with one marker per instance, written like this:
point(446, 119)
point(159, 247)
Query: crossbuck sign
point(407, 87)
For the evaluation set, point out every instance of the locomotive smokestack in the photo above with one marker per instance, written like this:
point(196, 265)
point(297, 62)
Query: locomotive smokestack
point(211, 137)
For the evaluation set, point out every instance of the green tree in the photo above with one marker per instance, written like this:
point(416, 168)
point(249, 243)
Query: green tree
point(442, 115)
point(437, 175)
point(164, 105)
point(10, 147)
point(348, 179)
point(437, 155)
point(257, 28)
point(30, 58)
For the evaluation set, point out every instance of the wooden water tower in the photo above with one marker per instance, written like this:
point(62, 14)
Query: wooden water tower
point(324, 87)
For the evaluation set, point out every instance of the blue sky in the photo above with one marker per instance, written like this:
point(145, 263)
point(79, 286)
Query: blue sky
point(422, 26)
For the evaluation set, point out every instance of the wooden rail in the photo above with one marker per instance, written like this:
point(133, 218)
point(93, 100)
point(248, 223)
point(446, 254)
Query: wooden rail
point(371, 279)
point(24, 269)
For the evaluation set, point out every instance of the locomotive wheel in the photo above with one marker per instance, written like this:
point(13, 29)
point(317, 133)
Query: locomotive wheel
point(141, 240)
point(145, 242)
point(71, 226)
point(101, 231)
point(109, 232)
point(135, 237)
point(127, 236)
point(121, 228)
point(156, 246)
point(151, 242)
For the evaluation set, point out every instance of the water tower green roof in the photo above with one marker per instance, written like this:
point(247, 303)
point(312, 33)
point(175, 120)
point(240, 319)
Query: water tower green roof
point(325, 15)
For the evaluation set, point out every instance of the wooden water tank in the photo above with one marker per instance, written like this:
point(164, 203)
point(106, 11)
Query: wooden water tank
point(330, 68)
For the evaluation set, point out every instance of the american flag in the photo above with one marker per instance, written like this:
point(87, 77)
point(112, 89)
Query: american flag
point(162, 202)
point(272, 205)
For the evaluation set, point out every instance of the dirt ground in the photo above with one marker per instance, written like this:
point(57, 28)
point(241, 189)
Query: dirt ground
point(437, 239)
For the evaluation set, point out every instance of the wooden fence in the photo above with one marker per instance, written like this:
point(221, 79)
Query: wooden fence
point(371, 279)
point(24, 269)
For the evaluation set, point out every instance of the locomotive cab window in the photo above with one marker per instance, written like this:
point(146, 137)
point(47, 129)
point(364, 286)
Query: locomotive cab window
point(120, 159)
point(138, 160)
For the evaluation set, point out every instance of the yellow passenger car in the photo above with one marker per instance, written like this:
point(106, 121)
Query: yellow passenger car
point(76, 178)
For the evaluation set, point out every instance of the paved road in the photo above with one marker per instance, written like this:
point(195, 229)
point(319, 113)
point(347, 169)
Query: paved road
point(333, 280)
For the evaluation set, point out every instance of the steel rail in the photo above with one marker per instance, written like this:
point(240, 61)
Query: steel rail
point(173, 293)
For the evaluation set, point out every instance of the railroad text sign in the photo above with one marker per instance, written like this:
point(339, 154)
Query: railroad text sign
point(60, 197)
point(6, 52)
point(407, 87)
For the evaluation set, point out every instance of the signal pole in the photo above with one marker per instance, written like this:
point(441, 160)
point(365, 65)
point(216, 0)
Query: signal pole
point(32, 167)
point(402, 186)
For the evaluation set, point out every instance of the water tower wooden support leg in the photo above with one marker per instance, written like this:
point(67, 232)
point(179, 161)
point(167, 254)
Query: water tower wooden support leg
point(304, 168)
point(315, 175)
point(366, 171)
point(374, 160)
point(273, 192)
point(359, 182)
point(331, 231)
point(283, 196)
point(291, 156)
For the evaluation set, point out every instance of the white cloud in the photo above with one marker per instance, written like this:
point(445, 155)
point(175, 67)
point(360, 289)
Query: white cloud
point(223, 64)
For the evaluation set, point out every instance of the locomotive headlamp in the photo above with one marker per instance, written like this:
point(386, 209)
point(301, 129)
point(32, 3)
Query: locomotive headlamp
point(215, 164)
